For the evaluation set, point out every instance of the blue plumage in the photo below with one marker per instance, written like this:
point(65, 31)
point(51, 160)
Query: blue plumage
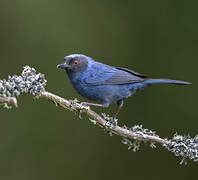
point(100, 82)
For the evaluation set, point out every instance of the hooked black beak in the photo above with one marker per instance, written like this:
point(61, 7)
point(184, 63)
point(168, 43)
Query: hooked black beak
point(63, 66)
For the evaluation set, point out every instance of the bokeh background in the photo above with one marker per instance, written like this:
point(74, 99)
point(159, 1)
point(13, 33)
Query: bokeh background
point(157, 38)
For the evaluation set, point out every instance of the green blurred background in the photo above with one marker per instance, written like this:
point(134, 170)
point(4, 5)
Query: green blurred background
point(157, 38)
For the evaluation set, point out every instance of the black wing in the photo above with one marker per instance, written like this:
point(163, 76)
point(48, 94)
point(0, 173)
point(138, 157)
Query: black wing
point(133, 72)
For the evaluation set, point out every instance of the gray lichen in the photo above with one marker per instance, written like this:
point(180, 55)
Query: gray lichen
point(142, 131)
point(28, 82)
point(134, 145)
point(93, 121)
point(139, 130)
point(184, 146)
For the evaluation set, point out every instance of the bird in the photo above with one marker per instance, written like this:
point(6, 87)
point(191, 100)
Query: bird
point(106, 84)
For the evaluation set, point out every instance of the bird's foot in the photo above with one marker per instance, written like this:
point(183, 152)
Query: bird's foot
point(84, 103)
point(92, 104)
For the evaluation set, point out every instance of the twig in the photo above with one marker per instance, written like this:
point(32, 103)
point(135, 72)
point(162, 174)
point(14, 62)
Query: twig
point(123, 132)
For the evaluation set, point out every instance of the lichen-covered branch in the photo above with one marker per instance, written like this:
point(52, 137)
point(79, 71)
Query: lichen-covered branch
point(102, 122)
point(31, 82)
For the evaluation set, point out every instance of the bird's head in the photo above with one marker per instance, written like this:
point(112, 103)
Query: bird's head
point(74, 63)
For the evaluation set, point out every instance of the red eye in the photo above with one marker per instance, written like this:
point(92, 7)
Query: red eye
point(75, 62)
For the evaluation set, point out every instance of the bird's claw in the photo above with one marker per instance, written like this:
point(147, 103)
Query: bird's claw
point(84, 103)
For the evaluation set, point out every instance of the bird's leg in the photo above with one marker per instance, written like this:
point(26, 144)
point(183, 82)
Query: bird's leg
point(94, 104)
point(120, 104)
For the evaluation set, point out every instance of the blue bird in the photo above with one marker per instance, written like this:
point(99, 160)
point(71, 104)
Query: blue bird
point(106, 84)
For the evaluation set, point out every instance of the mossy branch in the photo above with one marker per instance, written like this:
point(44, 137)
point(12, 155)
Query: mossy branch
point(31, 82)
